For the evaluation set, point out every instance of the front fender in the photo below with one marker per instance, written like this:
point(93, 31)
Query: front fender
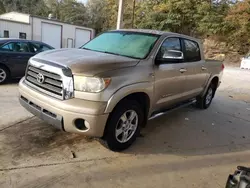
point(144, 87)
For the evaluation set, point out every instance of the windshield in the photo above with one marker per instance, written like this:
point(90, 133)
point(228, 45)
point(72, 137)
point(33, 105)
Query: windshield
point(129, 44)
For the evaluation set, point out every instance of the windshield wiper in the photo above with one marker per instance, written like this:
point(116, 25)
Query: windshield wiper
point(106, 52)
point(85, 48)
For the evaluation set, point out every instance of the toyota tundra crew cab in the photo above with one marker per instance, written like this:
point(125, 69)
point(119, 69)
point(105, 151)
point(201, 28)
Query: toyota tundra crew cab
point(112, 85)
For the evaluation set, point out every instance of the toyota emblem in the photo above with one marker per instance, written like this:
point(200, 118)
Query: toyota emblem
point(40, 78)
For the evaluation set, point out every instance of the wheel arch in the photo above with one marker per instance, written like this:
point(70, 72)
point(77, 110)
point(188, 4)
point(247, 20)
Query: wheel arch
point(215, 83)
point(6, 67)
point(141, 92)
point(213, 80)
point(145, 89)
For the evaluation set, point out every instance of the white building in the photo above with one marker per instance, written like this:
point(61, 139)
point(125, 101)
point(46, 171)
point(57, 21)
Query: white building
point(53, 32)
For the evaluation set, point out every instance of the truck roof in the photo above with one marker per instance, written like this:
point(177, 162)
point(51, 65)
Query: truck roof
point(157, 32)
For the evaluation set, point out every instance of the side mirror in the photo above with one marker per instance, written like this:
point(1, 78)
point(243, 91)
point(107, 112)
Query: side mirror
point(173, 55)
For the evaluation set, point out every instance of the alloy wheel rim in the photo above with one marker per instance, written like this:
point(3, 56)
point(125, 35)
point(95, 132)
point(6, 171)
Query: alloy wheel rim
point(209, 96)
point(2, 75)
point(126, 126)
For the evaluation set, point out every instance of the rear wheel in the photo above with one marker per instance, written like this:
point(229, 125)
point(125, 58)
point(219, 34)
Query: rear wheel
point(205, 101)
point(4, 75)
point(123, 125)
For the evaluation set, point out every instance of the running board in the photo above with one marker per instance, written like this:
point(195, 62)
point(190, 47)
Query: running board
point(161, 113)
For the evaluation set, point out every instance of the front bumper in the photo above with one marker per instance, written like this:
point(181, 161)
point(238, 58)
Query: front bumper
point(63, 113)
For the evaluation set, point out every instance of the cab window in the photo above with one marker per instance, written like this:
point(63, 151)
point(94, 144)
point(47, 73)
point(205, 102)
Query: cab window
point(191, 51)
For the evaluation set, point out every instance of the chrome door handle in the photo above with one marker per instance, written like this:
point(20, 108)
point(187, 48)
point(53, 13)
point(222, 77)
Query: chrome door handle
point(203, 68)
point(183, 70)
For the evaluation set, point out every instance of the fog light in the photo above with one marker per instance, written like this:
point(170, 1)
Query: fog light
point(81, 124)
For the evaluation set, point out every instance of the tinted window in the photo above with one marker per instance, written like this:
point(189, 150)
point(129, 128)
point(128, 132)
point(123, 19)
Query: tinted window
point(7, 47)
point(169, 46)
point(15, 47)
point(39, 47)
point(192, 51)
point(130, 44)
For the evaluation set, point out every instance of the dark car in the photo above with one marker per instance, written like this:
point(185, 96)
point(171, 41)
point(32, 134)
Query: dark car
point(14, 56)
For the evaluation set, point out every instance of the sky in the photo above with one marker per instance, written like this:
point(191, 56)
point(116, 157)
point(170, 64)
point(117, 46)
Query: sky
point(84, 1)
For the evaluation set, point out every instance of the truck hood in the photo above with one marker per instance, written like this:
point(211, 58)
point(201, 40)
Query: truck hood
point(86, 62)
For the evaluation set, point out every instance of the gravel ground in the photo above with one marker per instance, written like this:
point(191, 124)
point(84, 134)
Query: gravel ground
point(186, 148)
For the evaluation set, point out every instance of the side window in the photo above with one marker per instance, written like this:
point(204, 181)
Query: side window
point(15, 47)
point(21, 47)
point(170, 50)
point(192, 51)
point(38, 47)
point(7, 47)
point(34, 47)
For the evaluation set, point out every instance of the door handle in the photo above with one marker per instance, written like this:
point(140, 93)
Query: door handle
point(183, 70)
point(203, 68)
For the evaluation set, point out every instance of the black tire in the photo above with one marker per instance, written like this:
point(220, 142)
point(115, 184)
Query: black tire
point(110, 139)
point(204, 102)
point(5, 73)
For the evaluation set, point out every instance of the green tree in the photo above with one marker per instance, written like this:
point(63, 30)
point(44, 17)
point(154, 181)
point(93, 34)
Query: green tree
point(34, 7)
point(102, 14)
point(238, 19)
point(225, 20)
point(73, 12)
point(211, 18)
point(53, 7)
point(2, 8)
point(96, 14)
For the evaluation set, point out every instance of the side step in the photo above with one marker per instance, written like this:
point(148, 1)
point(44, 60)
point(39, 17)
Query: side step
point(181, 105)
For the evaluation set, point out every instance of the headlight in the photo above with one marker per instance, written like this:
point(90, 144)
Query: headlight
point(90, 84)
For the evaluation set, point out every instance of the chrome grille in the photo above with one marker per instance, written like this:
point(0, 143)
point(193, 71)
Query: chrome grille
point(52, 83)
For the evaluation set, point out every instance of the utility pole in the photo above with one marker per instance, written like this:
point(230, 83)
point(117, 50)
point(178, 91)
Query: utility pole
point(133, 16)
point(120, 14)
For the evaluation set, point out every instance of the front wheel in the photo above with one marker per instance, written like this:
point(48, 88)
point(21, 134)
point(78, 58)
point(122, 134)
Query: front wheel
point(205, 101)
point(123, 125)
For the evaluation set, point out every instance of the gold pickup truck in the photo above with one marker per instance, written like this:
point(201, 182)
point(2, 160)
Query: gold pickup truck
point(112, 85)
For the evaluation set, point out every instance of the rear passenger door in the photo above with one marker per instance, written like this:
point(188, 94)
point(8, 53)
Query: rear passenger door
point(196, 71)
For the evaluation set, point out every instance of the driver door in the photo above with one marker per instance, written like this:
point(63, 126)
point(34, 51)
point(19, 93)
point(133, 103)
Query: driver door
point(169, 74)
